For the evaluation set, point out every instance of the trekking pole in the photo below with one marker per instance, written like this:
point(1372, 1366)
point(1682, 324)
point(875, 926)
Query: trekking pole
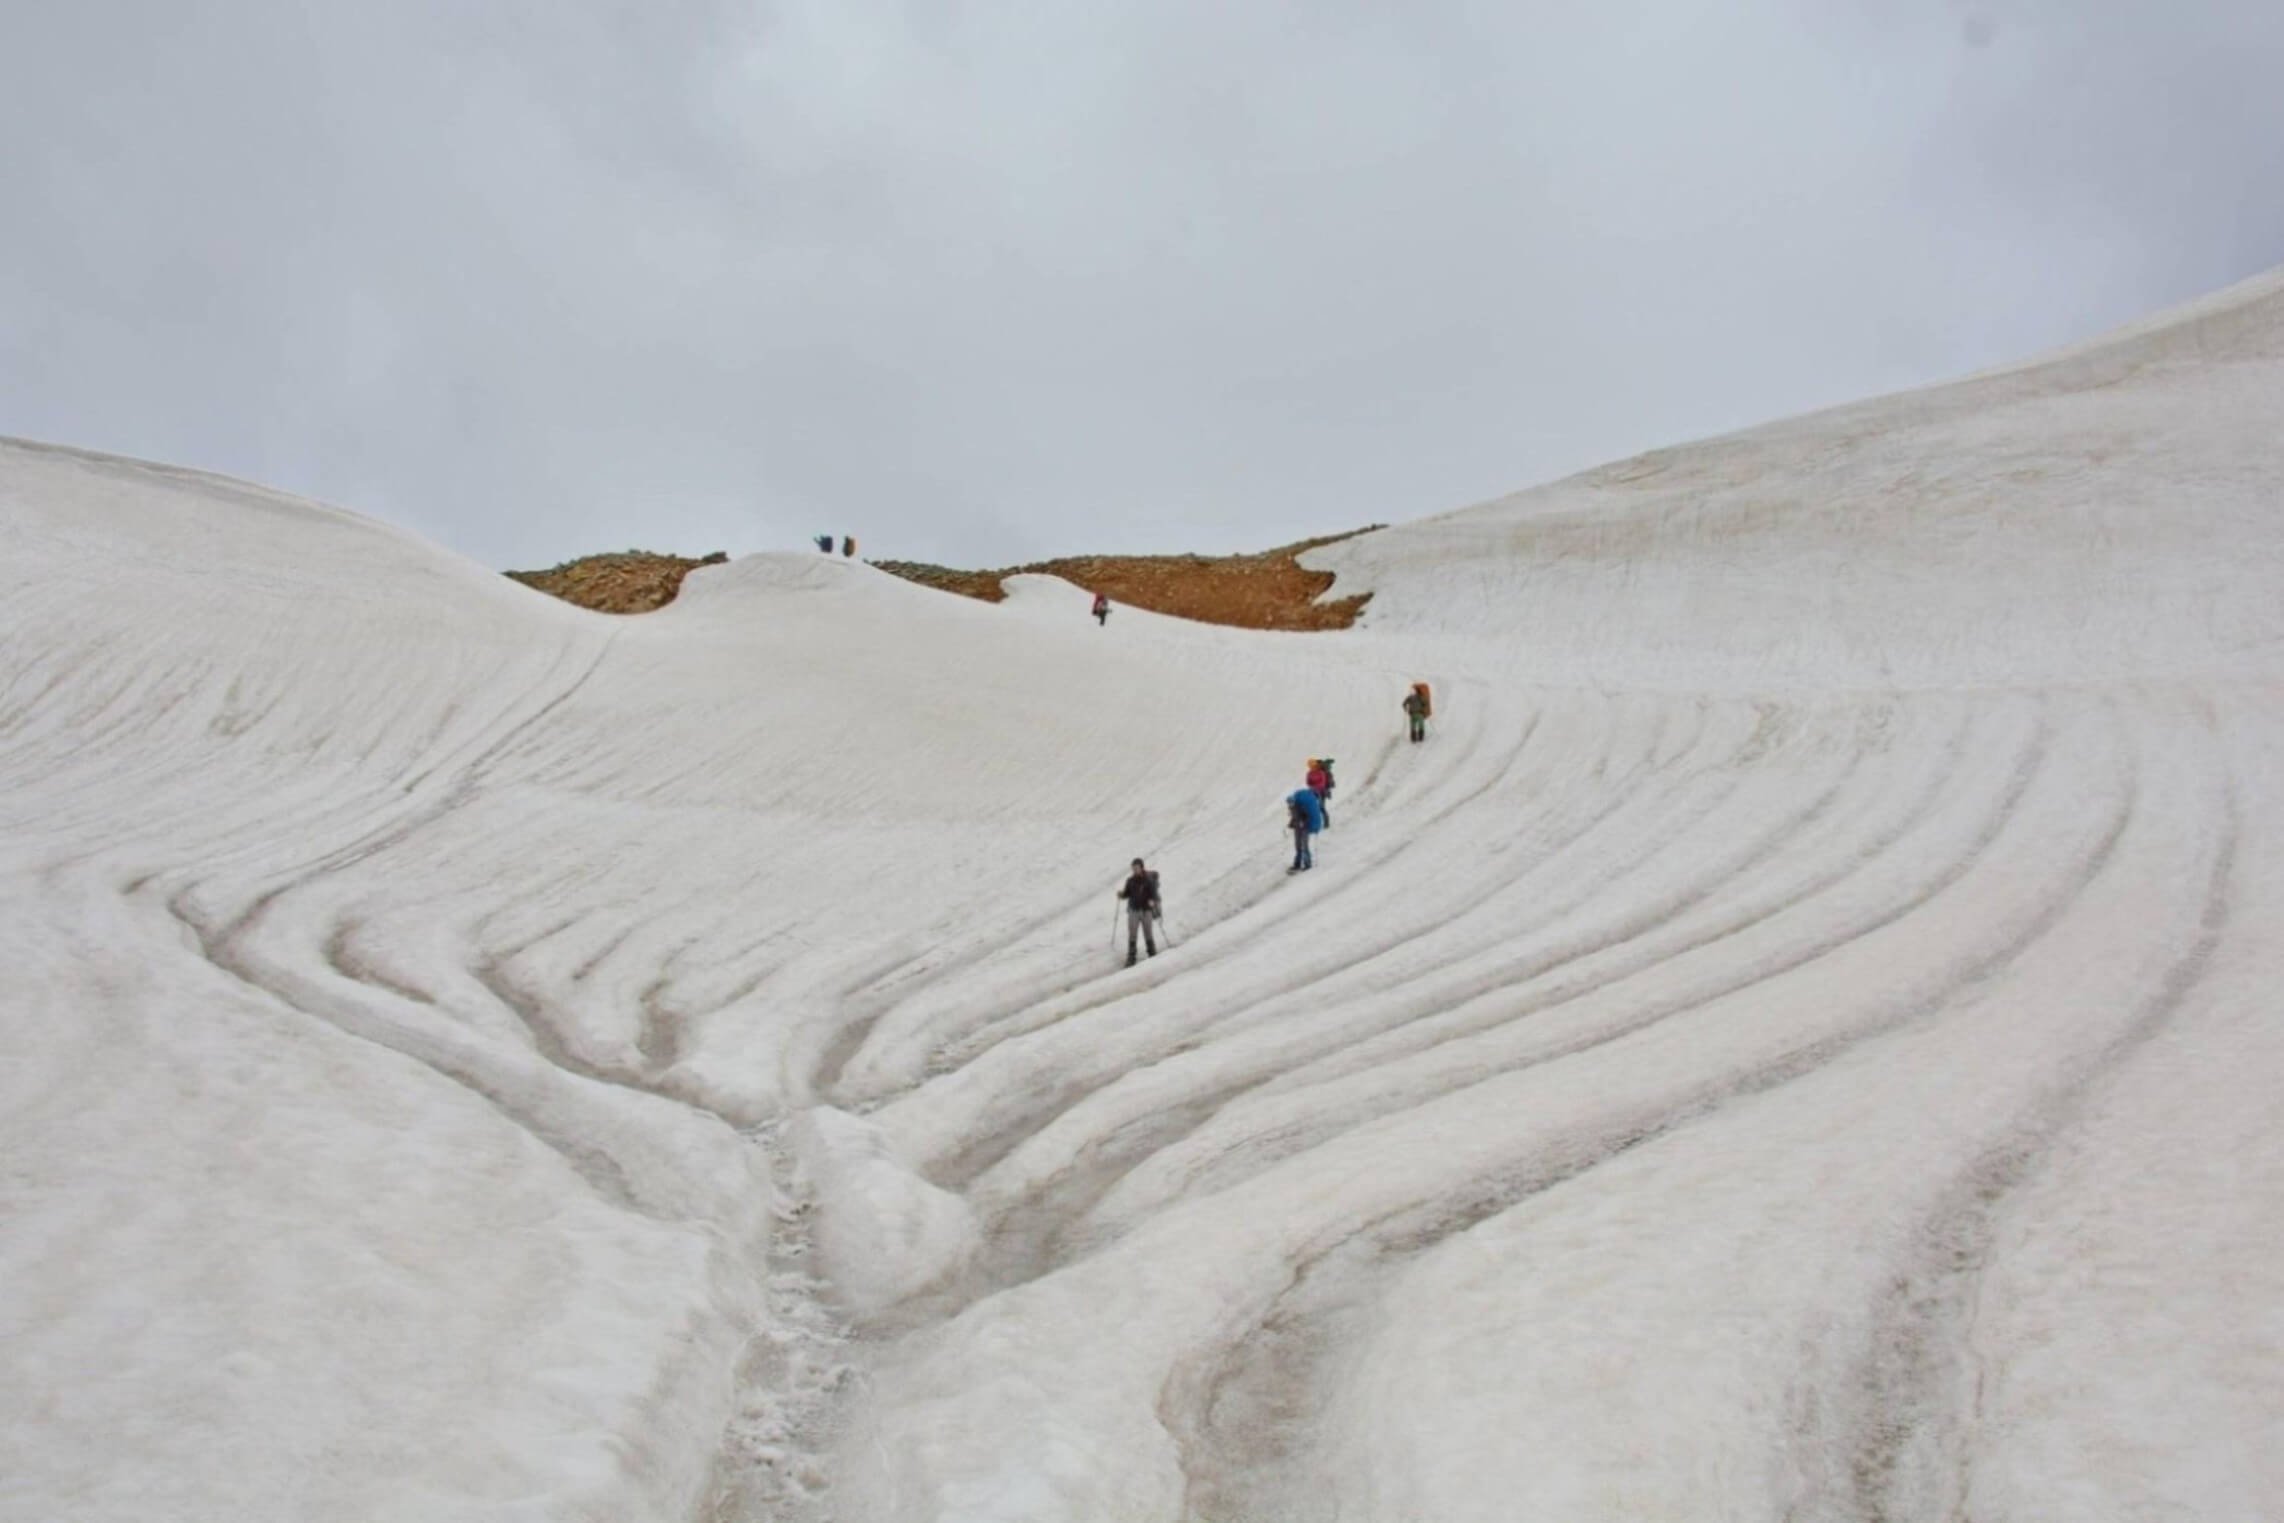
point(1164, 933)
point(1115, 906)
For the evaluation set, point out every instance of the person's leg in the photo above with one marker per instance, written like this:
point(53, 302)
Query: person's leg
point(1133, 928)
point(1149, 933)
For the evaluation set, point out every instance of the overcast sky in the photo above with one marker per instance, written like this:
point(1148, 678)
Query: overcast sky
point(986, 281)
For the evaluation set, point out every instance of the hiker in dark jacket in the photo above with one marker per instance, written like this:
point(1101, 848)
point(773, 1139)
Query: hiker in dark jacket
point(1416, 709)
point(1101, 610)
point(1140, 891)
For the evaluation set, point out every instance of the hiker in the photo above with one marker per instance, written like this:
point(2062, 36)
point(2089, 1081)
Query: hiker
point(1101, 611)
point(1140, 891)
point(1320, 784)
point(1306, 817)
point(1417, 707)
point(848, 544)
point(825, 543)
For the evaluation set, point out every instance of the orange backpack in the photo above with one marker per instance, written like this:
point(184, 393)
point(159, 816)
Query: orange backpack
point(1427, 700)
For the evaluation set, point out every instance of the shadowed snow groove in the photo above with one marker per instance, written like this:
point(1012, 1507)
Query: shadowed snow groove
point(1919, 1385)
point(594, 1164)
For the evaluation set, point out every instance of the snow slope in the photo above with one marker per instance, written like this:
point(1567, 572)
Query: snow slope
point(1796, 1043)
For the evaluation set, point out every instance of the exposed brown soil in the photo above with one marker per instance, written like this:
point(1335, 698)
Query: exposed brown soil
point(1268, 590)
point(632, 581)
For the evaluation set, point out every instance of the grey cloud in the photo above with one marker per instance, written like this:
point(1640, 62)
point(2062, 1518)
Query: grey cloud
point(984, 282)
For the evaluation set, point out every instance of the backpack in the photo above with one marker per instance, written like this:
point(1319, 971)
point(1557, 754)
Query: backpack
point(1306, 812)
point(1427, 700)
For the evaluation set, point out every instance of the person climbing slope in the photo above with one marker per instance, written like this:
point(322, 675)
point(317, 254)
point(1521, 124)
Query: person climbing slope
point(1306, 817)
point(1417, 707)
point(1320, 784)
point(1143, 909)
point(1101, 610)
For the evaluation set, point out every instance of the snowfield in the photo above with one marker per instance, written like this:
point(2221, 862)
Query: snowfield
point(1799, 1042)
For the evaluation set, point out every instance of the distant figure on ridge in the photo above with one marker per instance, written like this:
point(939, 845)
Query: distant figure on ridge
point(1101, 610)
point(1306, 817)
point(1140, 891)
point(848, 544)
point(1417, 707)
point(825, 543)
point(1320, 784)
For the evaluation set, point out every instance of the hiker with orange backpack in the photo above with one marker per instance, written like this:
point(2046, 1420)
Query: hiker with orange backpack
point(1417, 707)
point(1320, 784)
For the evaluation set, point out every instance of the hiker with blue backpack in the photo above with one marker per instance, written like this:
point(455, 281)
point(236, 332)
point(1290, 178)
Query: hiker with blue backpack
point(1304, 812)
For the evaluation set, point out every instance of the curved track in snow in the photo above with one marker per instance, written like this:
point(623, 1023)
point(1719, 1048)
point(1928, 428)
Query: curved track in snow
point(1794, 1044)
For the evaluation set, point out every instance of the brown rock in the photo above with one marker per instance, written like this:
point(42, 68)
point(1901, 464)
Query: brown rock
point(1269, 590)
point(632, 581)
